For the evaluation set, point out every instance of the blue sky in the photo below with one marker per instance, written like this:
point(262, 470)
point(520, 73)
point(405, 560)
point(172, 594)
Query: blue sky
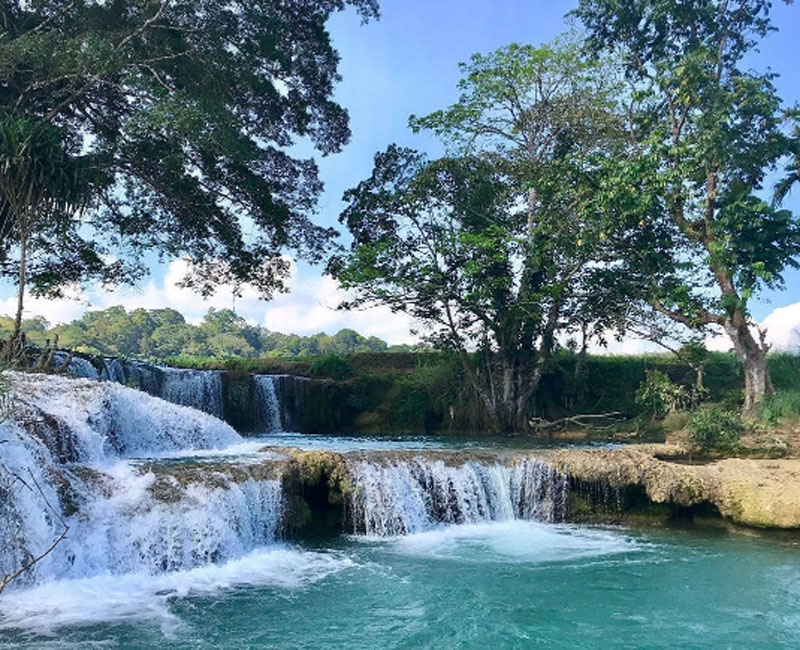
point(407, 63)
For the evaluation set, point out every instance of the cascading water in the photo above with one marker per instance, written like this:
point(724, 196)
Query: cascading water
point(91, 455)
point(114, 371)
point(144, 376)
point(61, 465)
point(266, 405)
point(137, 530)
point(100, 422)
point(416, 494)
point(200, 389)
point(77, 367)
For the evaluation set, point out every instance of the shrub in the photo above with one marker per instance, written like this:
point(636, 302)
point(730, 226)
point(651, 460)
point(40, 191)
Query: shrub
point(333, 366)
point(675, 421)
point(711, 427)
point(784, 370)
point(661, 395)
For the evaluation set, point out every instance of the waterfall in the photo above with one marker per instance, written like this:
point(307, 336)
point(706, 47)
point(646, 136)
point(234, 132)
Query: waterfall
point(101, 421)
point(266, 405)
point(113, 370)
point(538, 492)
point(78, 366)
point(61, 462)
point(143, 528)
point(144, 376)
point(200, 389)
point(412, 495)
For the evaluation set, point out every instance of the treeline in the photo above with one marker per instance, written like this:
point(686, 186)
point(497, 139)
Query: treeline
point(161, 334)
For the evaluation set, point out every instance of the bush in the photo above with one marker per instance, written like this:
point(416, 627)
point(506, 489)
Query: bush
point(661, 395)
point(675, 421)
point(333, 366)
point(782, 406)
point(711, 427)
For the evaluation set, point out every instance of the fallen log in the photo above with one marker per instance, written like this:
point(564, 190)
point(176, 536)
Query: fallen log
point(599, 421)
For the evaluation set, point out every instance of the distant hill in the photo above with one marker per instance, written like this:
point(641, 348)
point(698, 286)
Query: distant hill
point(164, 333)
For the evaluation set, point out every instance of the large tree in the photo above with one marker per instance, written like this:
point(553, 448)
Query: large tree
point(698, 236)
point(491, 246)
point(187, 111)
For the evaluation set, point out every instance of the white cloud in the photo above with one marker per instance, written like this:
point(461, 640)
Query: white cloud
point(62, 310)
point(310, 307)
point(782, 328)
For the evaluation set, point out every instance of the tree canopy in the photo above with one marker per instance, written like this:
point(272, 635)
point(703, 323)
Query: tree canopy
point(185, 113)
point(162, 334)
point(490, 247)
point(697, 231)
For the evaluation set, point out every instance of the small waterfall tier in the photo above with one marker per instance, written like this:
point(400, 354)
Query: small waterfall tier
point(77, 366)
point(396, 497)
point(98, 421)
point(152, 524)
point(266, 405)
point(200, 389)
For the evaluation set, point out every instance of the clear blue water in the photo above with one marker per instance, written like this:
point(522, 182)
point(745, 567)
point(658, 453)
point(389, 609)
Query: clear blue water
point(345, 443)
point(505, 585)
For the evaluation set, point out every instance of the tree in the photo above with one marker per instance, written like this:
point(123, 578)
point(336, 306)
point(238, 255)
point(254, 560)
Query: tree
point(186, 110)
point(698, 240)
point(40, 185)
point(491, 247)
point(792, 170)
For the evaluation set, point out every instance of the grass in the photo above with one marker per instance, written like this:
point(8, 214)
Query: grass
point(783, 406)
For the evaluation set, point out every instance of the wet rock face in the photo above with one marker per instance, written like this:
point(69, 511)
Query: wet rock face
point(238, 401)
point(314, 405)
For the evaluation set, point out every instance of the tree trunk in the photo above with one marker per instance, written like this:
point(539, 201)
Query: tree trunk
point(14, 347)
point(511, 405)
point(23, 261)
point(753, 356)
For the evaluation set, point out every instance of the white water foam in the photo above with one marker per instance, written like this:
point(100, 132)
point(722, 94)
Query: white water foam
point(106, 420)
point(131, 530)
point(65, 451)
point(144, 598)
point(412, 495)
point(526, 542)
point(29, 502)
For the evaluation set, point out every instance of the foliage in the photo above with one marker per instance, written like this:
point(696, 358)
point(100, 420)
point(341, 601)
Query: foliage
point(781, 406)
point(41, 187)
point(162, 334)
point(711, 427)
point(704, 131)
point(332, 366)
point(785, 371)
point(488, 246)
point(792, 170)
point(676, 421)
point(659, 394)
point(187, 111)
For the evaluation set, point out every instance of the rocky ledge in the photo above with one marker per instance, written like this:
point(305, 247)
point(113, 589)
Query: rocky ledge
point(763, 493)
